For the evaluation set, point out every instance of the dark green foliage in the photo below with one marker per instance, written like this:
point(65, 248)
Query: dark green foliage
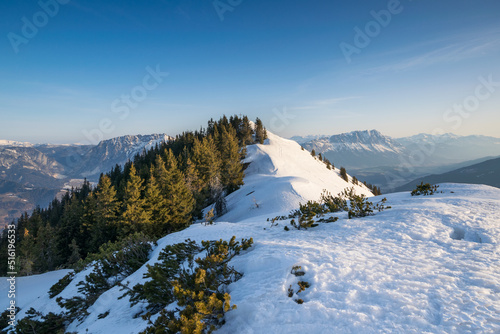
point(61, 285)
point(4, 320)
point(361, 207)
point(290, 291)
point(260, 132)
point(114, 262)
point(162, 190)
point(103, 315)
point(302, 285)
point(334, 204)
point(343, 174)
point(358, 206)
point(36, 323)
point(297, 271)
point(424, 189)
point(305, 221)
point(199, 292)
point(313, 152)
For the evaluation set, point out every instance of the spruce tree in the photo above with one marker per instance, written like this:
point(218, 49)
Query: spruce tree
point(246, 132)
point(232, 170)
point(343, 174)
point(134, 217)
point(156, 207)
point(179, 199)
point(106, 214)
point(260, 132)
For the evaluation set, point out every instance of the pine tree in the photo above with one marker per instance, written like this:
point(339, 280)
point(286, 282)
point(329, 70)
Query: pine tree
point(343, 174)
point(179, 199)
point(206, 159)
point(232, 170)
point(103, 228)
point(156, 207)
point(313, 153)
point(260, 132)
point(246, 132)
point(134, 217)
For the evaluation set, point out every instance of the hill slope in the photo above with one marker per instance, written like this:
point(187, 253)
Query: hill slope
point(429, 264)
point(280, 176)
point(487, 172)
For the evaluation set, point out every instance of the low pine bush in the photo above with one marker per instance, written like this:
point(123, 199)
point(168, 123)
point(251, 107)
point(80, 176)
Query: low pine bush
point(424, 189)
point(196, 286)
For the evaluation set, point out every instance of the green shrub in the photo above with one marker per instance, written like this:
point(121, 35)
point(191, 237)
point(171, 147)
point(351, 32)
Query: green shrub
point(61, 284)
point(424, 189)
point(114, 262)
point(5, 319)
point(197, 286)
point(36, 323)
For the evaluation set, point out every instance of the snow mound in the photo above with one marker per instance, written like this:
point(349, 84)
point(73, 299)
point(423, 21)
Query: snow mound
point(281, 175)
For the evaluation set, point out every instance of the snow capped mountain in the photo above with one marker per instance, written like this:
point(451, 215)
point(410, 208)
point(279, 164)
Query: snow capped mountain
point(32, 175)
point(372, 156)
point(358, 149)
point(108, 153)
point(305, 139)
point(428, 264)
point(368, 140)
point(4, 142)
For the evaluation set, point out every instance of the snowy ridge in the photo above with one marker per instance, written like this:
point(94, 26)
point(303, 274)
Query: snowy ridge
point(280, 176)
point(4, 142)
point(429, 264)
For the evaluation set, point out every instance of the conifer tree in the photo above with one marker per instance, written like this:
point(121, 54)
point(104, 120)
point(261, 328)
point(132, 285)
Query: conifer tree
point(313, 153)
point(232, 170)
point(179, 199)
point(155, 206)
point(206, 159)
point(260, 132)
point(246, 132)
point(343, 174)
point(134, 216)
point(103, 228)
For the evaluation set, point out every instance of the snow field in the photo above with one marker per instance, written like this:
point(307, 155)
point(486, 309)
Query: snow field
point(428, 265)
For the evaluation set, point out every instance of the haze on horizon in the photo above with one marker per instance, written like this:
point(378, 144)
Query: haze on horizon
point(75, 71)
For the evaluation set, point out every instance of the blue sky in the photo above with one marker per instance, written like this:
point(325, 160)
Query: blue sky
point(84, 73)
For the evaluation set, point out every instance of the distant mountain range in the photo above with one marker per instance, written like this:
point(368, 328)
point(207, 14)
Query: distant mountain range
point(33, 174)
point(487, 172)
point(391, 162)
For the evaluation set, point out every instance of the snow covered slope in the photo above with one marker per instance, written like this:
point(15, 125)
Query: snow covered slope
point(429, 264)
point(280, 176)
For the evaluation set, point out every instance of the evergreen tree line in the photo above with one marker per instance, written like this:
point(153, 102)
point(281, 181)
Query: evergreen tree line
point(161, 191)
point(343, 174)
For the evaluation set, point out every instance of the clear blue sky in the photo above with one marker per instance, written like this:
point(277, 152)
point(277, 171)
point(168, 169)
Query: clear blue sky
point(69, 80)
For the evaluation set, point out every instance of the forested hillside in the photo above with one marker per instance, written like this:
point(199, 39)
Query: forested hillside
point(161, 191)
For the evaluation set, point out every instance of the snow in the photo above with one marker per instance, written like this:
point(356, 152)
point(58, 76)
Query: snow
point(427, 265)
point(280, 176)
